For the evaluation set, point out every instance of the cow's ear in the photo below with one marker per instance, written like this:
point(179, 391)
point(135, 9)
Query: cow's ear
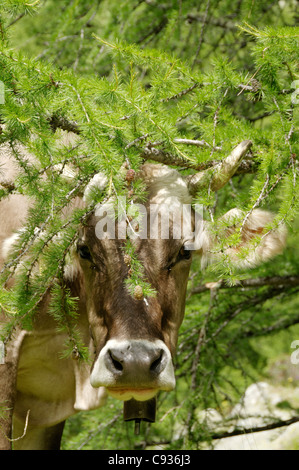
point(246, 239)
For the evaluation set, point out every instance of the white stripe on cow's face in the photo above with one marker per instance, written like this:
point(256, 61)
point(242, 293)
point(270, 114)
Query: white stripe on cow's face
point(133, 369)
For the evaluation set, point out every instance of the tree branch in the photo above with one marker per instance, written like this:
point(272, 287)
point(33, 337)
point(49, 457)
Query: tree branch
point(15, 20)
point(181, 93)
point(266, 427)
point(204, 21)
point(277, 281)
point(238, 431)
point(222, 23)
point(149, 152)
point(59, 122)
point(197, 143)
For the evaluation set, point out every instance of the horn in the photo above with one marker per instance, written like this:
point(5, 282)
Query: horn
point(215, 178)
point(98, 182)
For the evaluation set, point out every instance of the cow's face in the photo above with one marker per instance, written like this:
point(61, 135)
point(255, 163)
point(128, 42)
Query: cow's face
point(135, 338)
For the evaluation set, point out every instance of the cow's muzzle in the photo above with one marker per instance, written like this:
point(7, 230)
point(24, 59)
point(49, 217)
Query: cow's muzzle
point(133, 369)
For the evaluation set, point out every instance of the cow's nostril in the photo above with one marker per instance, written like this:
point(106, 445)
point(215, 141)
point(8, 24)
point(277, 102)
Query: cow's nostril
point(136, 366)
point(156, 364)
point(116, 363)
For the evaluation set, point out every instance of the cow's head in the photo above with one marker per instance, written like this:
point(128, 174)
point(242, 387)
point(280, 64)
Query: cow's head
point(135, 337)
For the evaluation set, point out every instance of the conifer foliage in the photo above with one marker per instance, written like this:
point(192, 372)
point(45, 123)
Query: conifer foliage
point(97, 86)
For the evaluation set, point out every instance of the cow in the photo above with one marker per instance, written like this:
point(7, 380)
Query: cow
point(131, 338)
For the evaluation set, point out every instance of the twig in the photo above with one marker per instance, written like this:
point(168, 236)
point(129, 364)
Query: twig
point(222, 23)
point(243, 306)
point(194, 367)
point(40, 295)
point(154, 31)
point(251, 88)
point(237, 431)
point(278, 326)
point(149, 152)
point(197, 143)
point(288, 143)
point(257, 202)
point(201, 33)
point(279, 281)
point(16, 19)
point(260, 116)
point(79, 50)
point(181, 93)
point(100, 429)
point(201, 337)
point(80, 101)
point(38, 230)
point(216, 119)
point(136, 141)
point(266, 427)
point(59, 122)
point(24, 432)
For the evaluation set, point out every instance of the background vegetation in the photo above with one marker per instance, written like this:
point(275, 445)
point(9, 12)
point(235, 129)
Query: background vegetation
point(121, 75)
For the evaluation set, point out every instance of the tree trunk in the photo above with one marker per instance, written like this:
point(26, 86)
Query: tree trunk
point(8, 377)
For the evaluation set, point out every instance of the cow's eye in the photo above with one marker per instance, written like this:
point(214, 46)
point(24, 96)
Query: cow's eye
point(183, 254)
point(186, 254)
point(84, 252)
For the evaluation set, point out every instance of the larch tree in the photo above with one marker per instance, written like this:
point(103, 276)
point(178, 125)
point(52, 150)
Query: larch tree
point(90, 86)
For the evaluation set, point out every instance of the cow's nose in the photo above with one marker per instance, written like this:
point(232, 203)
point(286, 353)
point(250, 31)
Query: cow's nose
point(134, 364)
point(136, 360)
